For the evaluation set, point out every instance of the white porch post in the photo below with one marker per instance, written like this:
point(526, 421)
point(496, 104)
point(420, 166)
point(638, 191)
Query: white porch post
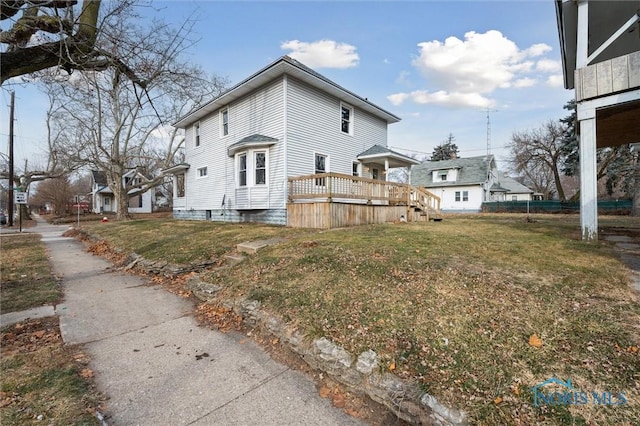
point(386, 169)
point(588, 179)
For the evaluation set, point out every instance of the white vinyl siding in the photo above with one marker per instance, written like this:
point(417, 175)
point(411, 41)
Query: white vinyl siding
point(313, 127)
point(449, 196)
point(258, 113)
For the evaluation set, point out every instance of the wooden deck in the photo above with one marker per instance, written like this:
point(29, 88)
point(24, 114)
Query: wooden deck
point(332, 200)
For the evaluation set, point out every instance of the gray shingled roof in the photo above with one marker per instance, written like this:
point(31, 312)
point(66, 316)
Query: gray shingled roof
point(512, 185)
point(290, 66)
point(251, 141)
point(471, 171)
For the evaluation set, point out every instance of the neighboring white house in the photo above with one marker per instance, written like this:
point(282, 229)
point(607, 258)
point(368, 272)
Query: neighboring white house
point(284, 121)
point(463, 184)
point(103, 200)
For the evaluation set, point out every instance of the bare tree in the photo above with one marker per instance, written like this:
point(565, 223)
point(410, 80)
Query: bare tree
point(46, 34)
point(114, 126)
point(56, 193)
point(538, 155)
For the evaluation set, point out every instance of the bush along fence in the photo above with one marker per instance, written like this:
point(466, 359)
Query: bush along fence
point(621, 207)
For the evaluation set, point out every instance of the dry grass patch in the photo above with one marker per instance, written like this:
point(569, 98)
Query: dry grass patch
point(43, 381)
point(452, 306)
point(27, 281)
point(449, 305)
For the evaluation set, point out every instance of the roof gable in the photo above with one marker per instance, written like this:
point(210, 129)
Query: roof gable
point(471, 171)
point(285, 66)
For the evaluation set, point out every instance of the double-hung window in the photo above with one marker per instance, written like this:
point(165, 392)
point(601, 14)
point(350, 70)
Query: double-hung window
point(252, 168)
point(224, 122)
point(321, 167)
point(202, 172)
point(242, 169)
point(196, 134)
point(260, 158)
point(462, 195)
point(346, 119)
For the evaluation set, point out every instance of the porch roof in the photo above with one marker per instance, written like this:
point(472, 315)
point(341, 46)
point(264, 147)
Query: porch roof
point(177, 168)
point(253, 141)
point(379, 153)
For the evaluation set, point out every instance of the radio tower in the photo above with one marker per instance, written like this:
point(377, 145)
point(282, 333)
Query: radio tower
point(489, 111)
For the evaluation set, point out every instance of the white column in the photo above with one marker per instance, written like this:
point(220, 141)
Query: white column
point(386, 169)
point(588, 180)
point(582, 41)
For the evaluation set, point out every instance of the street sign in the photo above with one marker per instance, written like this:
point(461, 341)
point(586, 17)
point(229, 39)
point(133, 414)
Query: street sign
point(20, 197)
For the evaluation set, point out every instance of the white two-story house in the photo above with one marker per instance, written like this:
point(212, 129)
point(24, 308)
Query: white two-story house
point(284, 121)
point(104, 201)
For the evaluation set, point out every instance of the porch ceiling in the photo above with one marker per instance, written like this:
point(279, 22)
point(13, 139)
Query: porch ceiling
point(618, 125)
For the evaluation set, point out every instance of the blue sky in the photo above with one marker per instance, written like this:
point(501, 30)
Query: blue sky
point(439, 65)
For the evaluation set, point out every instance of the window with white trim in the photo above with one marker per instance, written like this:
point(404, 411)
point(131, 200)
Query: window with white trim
point(464, 195)
point(514, 198)
point(224, 122)
point(260, 161)
point(355, 169)
point(320, 167)
point(242, 169)
point(180, 185)
point(252, 167)
point(196, 134)
point(443, 176)
point(202, 172)
point(346, 119)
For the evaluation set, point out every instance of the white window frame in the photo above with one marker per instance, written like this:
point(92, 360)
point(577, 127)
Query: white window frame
point(255, 167)
point(202, 172)
point(351, 118)
point(465, 196)
point(320, 181)
point(355, 169)
point(196, 134)
point(224, 125)
point(239, 156)
point(443, 176)
point(250, 172)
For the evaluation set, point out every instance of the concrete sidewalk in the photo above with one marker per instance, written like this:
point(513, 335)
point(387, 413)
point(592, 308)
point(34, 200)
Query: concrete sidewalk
point(158, 367)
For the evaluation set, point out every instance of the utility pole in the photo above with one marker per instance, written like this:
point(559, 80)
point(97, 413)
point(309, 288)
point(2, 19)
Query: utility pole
point(10, 200)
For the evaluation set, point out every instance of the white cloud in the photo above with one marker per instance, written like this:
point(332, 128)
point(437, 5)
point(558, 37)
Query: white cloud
point(548, 65)
point(322, 53)
point(441, 97)
point(556, 80)
point(524, 82)
point(465, 72)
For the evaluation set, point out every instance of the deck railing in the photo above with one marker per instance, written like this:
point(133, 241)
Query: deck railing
point(345, 188)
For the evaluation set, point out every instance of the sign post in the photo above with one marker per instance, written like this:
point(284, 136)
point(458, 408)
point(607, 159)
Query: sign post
point(20, 199)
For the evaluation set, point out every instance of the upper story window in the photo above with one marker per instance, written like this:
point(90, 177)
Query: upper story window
point(354, 169)
point(346, 119)
point(202, 172)
point(442, 176)
point(224, 122)
point(196, 134)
